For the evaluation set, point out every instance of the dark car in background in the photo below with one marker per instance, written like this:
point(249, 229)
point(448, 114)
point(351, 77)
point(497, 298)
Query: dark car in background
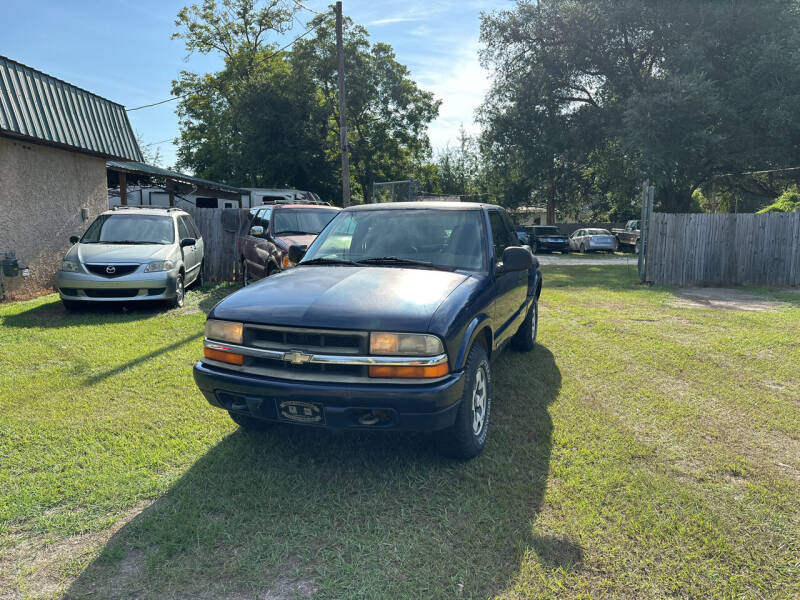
point(264, 247)
point(388, 322)
point(547, 237)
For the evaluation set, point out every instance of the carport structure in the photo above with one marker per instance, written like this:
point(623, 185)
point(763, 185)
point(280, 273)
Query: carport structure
point(122, 173)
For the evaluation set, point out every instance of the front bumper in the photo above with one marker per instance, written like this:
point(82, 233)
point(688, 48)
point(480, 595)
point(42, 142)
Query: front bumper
point(417, 407)
point(552, 245)
point(86, 287)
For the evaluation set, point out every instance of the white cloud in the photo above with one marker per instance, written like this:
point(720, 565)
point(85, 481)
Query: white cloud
point(390, 20)
point(461, 84)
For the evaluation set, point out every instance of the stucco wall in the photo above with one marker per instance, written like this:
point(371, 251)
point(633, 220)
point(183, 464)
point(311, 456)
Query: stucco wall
point(42, 192)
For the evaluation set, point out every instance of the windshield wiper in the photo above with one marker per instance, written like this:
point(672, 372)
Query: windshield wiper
point(291, 232)
point(130, 242)
point(403, 262)
point(329, 261)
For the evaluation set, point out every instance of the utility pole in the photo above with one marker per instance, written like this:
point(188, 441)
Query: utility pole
point(342, 111)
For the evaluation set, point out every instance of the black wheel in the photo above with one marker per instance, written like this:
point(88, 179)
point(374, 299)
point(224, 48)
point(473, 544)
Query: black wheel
point(467, 436)
point(583, 248)
point(565, 250)
point(177, 301)
point(525, 338)
point(535, 247)
point(245, 273)
point(72, 305)
point(249, 423)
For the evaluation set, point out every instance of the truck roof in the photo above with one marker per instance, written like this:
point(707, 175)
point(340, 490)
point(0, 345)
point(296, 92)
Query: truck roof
point(426, 204)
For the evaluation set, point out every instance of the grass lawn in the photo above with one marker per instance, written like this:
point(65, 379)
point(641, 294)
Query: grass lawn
point(643, 450)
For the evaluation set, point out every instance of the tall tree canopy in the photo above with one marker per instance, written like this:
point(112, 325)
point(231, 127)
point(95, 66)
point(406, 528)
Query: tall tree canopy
point(270, 117)
point(592, 96)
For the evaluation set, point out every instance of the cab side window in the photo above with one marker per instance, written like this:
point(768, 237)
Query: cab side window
point(193, 230)
point(262, 218)
point(501, 236)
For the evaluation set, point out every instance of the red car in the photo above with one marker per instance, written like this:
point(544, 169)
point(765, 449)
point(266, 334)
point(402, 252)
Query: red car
point(264, 248)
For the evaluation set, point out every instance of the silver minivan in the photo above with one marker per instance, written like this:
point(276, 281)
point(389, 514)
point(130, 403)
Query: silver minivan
point(132, 254)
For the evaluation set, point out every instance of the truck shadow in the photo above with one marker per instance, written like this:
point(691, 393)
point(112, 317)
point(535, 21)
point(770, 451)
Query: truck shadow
point(350, 514)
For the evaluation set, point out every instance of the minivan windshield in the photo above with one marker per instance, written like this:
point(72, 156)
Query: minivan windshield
point(450, 239)
point(300, 221)
point(130, 229)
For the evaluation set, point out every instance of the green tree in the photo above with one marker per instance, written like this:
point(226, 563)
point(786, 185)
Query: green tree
point(789, 201)
point(270, 117)
point(677, 92)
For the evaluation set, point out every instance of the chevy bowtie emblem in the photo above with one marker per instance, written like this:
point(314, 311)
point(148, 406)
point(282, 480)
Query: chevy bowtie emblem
point(111, 269)
point(297, 358)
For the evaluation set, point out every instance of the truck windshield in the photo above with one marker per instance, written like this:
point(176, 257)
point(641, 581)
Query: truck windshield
point(296, 221)
point(441, 238)
point(130, 229)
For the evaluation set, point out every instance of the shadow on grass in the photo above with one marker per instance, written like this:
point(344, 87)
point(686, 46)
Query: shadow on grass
point(54, 315)
point(349, 514)
point(144, 358)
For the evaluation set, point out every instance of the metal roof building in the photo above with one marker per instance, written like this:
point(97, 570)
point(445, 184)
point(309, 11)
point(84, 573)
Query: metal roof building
point(40, 108)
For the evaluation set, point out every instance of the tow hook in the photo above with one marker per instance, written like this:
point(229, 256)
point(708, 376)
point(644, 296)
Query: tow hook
point(372, 417)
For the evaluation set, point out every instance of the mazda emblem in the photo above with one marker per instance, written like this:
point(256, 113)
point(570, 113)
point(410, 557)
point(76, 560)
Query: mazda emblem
point(111, 269)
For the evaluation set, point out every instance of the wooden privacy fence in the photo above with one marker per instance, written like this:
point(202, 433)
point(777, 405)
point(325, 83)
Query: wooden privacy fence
point(724, 249)
point(220, 227)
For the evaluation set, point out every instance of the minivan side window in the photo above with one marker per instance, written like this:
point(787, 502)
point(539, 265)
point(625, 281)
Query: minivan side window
point(183, 229)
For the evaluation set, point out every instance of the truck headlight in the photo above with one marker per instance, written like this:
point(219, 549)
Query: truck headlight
point(405, 344)
point(159, 265)
point(224, 331)
point(69, 266)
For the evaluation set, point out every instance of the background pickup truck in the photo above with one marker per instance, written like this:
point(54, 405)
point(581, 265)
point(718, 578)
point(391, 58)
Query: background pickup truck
point(388, 321)
point(628, 236)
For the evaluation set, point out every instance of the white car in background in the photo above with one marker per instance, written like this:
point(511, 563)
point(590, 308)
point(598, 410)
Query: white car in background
point(592, 240)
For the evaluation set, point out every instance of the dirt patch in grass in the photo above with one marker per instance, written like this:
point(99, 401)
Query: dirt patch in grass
point(38, 566)
point(724, 299)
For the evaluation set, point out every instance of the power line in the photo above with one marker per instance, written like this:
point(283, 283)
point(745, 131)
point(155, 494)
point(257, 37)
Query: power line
point(278, 51)
point(301, 5)
point(759, 172)
point(157, 143)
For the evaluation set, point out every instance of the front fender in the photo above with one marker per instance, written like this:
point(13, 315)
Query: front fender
point(469, 337)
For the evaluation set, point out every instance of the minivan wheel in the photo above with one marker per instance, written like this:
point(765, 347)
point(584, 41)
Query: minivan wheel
point(177, 301)
point(248, 423)
point(525, 338)
point(72, 305)
point(466, 438)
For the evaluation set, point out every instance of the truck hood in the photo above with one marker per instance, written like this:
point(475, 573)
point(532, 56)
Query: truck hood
point(118, 253)
point(285, 241)
point(364, 298)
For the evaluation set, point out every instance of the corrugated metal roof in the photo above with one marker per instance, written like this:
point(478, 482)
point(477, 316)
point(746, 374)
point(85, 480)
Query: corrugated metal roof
point(141, 168)
point(44, 109)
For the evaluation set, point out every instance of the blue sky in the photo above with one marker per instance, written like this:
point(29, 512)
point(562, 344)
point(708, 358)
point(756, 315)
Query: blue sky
point(121, 49)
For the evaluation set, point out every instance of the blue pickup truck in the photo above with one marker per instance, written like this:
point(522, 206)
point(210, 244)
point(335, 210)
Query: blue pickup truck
point(388, 321)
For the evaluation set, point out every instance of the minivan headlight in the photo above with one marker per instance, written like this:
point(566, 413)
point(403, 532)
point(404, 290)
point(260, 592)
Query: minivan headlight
point(69, 266)
point(159, 265)
point(224, 331)
point(405, 344)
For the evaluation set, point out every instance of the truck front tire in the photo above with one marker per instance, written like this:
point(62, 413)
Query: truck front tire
point(466, 438)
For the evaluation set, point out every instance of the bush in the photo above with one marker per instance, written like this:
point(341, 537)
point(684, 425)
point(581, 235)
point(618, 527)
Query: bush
point(789, 201)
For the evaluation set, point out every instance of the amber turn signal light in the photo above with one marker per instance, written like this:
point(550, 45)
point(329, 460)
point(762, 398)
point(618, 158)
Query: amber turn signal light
point(222, 356)
point(412, 372)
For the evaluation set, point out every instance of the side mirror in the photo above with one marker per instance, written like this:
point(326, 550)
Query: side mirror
point(515, 258)
point(188, 242)
point(297, 252)
point(257, 231)
point(73, 239)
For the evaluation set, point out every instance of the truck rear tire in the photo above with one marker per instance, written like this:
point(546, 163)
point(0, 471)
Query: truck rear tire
point(466, 438)
point(525, 338)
